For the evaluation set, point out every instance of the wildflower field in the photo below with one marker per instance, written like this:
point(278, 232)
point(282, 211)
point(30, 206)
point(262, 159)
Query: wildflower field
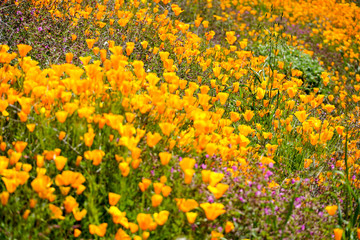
point(168, 119)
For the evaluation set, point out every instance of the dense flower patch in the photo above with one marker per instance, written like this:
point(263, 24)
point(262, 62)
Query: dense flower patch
point(179, 119)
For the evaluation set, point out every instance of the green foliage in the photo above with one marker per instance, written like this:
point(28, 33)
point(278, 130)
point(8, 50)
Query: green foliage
point(292, 58)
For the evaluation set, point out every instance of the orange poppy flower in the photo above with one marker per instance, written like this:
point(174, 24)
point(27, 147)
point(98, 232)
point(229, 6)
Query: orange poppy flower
point(260, 93)
point(223, 97)
point(85, 60)
point(301, 116)
point(161, 217)
point(4, 197)
point(114, 198)
point(20, 146)
point(78, 215)
point(56, 212)
point(31, 127)
point(133, 227)
point(191, 217)
point(145, 235)
point(144, 220)
point(32, 203)
point(219, 190)
point(213, 210)
point(166, 190)
point(216, 235)
point(187, 163)
point(211, 149)
point(26, 214)
point(124, 168)
point(177, 10)
point(156, 200)
point(230, 37)
point(24, 49)
point(331, 210)
point(129, 48)
point(69, 57)
point(98, 230)
point(215, 178)
point(338, 233)
point(144, 44)
point(158, 187)
point(90, 43)
point(144, 184)
point(61, 116)
point(10, 184)
point(70, 203)
point(122, 235)
point(22, 116)
point(166, 128)
point(60, 162)
point(89, 138)
point(229, 226)
point(189, 173)
point(152, 139)
point(77, 233)
point(234, 116)
point(62, 135)
point(205, 174)
point(3, 105)
point(248, 115)
point(165, 157)
point(15, 157)
point(187, 205)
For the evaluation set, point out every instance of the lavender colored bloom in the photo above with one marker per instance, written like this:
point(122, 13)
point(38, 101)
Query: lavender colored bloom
point(203, 166)
point(210, 199)
point(193, 227)
point(268, 174)
point(196, 165)
point(180, 159)
point(40, 29)
point(267, 211)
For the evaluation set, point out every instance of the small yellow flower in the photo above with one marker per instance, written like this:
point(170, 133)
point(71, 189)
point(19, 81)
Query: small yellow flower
point(331, 209)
